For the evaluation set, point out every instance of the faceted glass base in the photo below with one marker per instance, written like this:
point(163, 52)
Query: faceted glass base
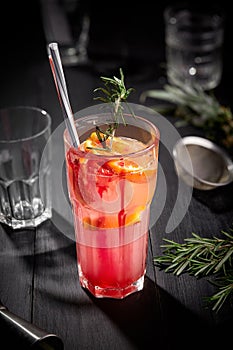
point(116, 293)
point(29, 223)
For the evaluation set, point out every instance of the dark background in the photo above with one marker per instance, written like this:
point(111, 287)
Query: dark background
point(131, 28)
point(127, 34)
point(34, 281)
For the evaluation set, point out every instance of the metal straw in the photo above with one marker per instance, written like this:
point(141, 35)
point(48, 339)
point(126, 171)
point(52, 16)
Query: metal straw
point(60, 83)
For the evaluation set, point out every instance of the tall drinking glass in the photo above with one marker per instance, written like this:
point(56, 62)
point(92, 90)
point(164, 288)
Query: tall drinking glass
point(111, 193)
point(67, 22)
point(25, 198)
point(194, 38)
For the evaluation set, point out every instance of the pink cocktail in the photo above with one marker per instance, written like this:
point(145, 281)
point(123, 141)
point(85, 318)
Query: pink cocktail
point(111, 193)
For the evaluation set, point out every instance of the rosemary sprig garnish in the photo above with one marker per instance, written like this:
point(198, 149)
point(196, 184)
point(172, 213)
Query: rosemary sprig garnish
point(195, 106)
point(113, 92)
point(200, 256)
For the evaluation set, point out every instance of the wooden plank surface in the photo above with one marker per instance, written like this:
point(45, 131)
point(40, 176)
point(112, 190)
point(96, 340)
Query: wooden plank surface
point(38, 270)
point(82, 321)
point(17, 270)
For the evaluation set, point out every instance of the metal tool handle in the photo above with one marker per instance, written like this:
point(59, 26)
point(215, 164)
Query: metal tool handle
point(24, 334)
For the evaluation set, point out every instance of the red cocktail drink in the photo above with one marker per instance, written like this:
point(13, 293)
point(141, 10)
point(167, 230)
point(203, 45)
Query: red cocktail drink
point(111, 192)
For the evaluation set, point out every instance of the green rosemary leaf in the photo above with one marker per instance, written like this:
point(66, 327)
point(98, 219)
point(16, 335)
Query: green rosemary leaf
point(202, 256)
point(198, 108)
point(225, 258)
point(224, 293)
point(181, 268)
point(114, 92)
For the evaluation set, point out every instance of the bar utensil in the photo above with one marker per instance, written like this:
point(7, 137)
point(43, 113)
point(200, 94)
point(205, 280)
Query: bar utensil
point(25, 335)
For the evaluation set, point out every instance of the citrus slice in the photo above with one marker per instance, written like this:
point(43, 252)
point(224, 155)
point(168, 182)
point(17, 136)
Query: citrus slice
point(128, 169)
point(89, 145)
point(96, 220)
point(108, 185)
point(94, 145)
point(113, 146)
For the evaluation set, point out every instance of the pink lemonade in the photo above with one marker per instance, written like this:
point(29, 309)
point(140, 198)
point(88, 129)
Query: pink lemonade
point(111, 194)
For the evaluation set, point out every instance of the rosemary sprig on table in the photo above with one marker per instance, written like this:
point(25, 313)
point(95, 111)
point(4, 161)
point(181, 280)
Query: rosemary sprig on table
point(200, 256)
point(195, 106)
point(113, 92)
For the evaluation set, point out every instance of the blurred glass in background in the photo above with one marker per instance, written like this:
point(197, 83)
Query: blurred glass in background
point(194, 41)
point(67, 22)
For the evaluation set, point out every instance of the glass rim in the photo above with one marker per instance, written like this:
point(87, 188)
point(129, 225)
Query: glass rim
point(212, 10)
point(114, 156)
point(41, 111)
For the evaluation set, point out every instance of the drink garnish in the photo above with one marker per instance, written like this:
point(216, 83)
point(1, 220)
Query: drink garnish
point(113, 92)
point(108, 221)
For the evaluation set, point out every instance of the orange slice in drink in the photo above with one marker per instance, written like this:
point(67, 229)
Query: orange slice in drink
point(123, 218)
point(128, 169)
point(102, 184)
point(94, 145)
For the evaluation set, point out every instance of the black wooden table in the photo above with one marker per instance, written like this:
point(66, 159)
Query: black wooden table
point(38, 270)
